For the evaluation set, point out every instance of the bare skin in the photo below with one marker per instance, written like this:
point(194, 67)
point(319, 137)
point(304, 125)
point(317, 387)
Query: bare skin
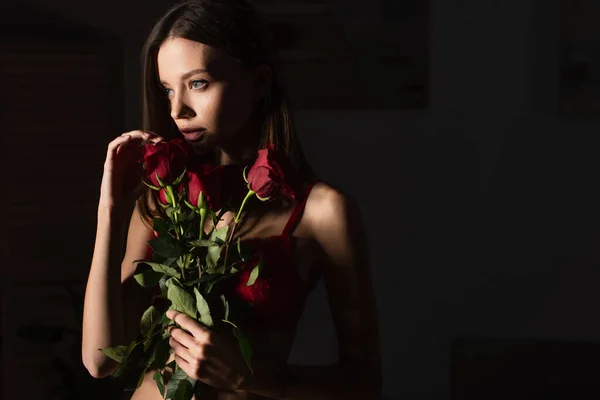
point(209, 94)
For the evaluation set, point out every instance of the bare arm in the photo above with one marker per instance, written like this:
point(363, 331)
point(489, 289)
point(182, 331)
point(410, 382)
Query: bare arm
point(114, 302)
point(336, 225)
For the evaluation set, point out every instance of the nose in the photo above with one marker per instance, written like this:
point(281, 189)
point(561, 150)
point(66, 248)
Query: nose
point(180, 109)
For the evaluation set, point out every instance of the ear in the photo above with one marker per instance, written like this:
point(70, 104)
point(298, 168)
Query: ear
point(264, 78)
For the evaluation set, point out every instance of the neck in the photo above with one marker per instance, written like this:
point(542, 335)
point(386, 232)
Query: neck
point(241, 149)
point(234, 156)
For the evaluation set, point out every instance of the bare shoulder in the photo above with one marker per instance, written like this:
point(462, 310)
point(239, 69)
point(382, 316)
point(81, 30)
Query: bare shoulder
point(333, 222)
point(328, 208)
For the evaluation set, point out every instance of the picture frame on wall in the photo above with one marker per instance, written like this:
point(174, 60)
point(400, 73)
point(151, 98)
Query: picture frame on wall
point(336, 56)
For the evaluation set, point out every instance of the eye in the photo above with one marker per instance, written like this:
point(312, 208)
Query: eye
point(168, 92)
point(201, 84)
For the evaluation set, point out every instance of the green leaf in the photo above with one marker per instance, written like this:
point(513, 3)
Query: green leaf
point(175, 382)
point(180, 177)
point(131, 362)
point(190, 216)
point(148, 278)
point(181, 300)
point(162, 351)
point(163, 283)
point(217, 270)
point(167, 246)
point(150, 320)
point(191, 283)
point(212, 256)
point(203, 309)
point(185, 391)
point(207, 277)
point(219, 235)
point(160, 226)
point(150, 186)
point(170, 210)
point(117, 353)
point(160, 181)
point(244, 343)
point(159, 259)
point(158, 378)
point(255, 273)
point(213, 216)
point(210, 285)
point(170, 261)
point(239, 248)
point(148, 343)
point(202, 243)
point(164, 269)
point(165, 321)
point(190, 206)
point(245, 347)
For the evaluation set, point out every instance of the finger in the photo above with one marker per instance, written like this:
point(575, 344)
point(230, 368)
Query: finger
point(144, 135)
point(183, 337)
point(114, 145)
point(185, 365)
point(139, 138)
point(155, 137)
point(195, 328)
point(182, 351)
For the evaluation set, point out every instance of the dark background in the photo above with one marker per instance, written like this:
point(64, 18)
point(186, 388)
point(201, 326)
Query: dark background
point(481, 205)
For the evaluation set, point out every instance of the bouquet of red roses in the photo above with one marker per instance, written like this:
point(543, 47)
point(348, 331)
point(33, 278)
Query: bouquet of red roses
point(192, 258)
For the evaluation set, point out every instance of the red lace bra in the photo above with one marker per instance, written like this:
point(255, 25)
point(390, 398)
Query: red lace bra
point(278, 295)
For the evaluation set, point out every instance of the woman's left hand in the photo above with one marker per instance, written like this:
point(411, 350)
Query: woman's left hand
point(205, 355)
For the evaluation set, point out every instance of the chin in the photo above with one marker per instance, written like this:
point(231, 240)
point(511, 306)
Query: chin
point(202, 148)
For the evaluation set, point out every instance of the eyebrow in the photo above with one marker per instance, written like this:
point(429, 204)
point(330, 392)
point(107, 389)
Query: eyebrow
point(189, 74)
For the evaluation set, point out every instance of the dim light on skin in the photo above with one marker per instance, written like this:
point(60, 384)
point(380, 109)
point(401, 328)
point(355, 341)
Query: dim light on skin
point(211, 98)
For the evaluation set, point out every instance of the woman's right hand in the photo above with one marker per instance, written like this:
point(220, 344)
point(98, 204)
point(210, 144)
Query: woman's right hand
point(122, 178)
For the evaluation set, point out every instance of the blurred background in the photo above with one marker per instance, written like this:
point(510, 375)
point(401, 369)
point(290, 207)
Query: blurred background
point(466, 129)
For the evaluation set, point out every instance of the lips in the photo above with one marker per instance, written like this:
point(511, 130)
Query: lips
point(192, 135)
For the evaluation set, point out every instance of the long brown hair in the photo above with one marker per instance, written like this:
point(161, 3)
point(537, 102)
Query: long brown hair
point(235, 27)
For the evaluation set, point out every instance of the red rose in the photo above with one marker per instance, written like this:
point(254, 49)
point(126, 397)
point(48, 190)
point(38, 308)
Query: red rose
point(206, 179)
point(266, 177)
point(168, 160)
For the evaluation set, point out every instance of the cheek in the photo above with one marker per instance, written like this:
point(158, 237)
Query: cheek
point(233, 111)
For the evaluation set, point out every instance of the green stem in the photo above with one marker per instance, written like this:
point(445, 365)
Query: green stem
point(183, 268)
point(228, 241)
point(239, 213)
point(171, 194)
point(203, 211)
point(236, 220)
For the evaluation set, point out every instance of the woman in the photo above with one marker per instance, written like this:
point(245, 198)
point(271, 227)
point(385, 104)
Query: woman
point(208, 78)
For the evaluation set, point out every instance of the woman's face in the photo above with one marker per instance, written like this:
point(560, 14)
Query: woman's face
point(211, 98)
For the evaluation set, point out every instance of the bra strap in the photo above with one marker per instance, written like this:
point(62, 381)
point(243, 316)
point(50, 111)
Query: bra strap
point(297, 212)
